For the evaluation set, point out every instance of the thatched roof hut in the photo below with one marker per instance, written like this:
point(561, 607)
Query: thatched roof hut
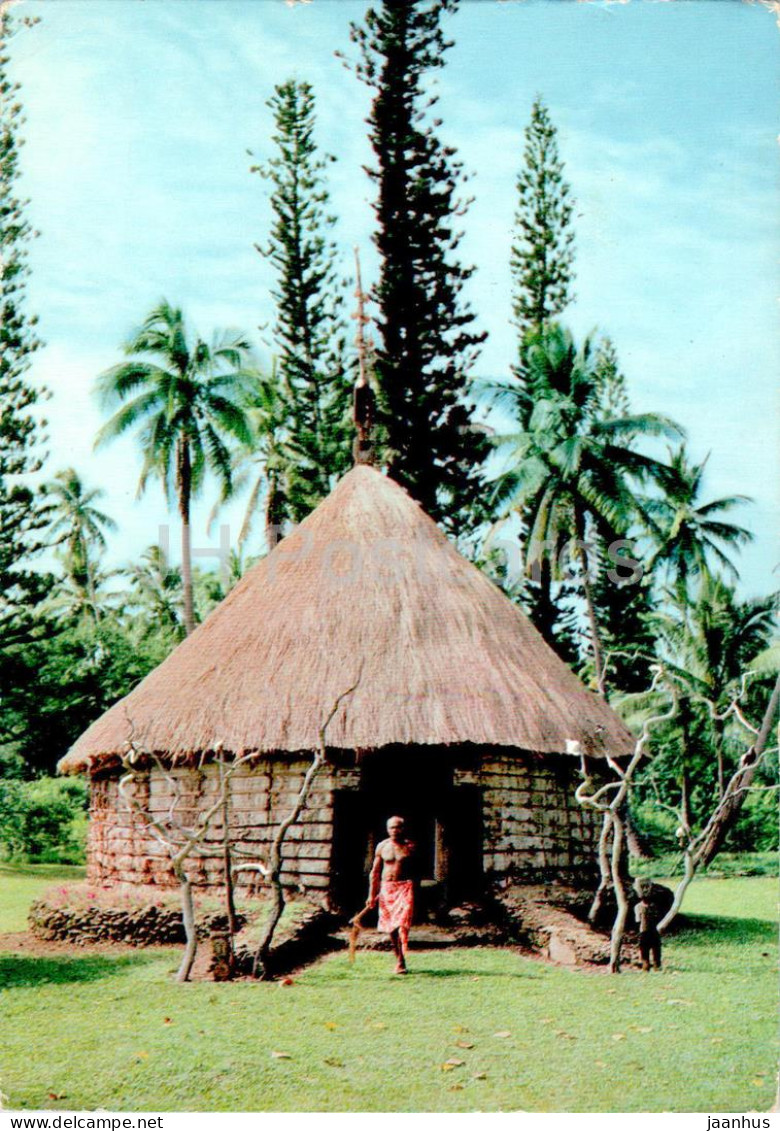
point(449, 672)
point(367, 586)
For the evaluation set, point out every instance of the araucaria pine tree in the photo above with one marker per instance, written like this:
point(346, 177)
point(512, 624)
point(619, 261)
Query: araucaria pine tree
point(613, 400)
point(22, 513)
point(543, 246)
point(541, 264)
point(309, 330)
point(428, 342)
point(622, 591)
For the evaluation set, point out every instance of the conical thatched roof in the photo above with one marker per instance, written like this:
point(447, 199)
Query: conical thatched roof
point(367, 580)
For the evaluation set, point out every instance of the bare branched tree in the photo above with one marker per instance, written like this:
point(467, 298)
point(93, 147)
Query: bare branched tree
point(181, 840)
point(610, 799)
point(697, 848)
point(273, 871)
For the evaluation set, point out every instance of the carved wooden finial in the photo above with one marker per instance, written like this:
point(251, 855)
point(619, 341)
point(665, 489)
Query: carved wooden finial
point(364, 407)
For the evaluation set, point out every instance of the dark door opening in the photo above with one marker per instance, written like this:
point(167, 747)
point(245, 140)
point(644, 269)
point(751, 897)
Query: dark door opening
point(444, 821)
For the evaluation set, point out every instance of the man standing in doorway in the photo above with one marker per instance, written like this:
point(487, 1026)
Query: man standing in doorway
point(392, 887)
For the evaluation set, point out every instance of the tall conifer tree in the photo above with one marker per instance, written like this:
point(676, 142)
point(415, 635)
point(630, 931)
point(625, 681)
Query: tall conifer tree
point(613, 392)
point(542, 255)
point(22, 513)
point(541, 263)
point(309, 330)
point(623, 600)
point(427, 337)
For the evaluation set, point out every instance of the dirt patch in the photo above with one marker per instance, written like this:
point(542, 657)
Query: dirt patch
point(25, 942)
point(548, 920)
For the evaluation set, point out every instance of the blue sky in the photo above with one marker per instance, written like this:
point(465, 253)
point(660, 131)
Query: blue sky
point(140, 114)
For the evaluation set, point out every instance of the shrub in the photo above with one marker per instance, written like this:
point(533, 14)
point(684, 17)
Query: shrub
point(656, 826)
point(756, 829)
point(43, 821)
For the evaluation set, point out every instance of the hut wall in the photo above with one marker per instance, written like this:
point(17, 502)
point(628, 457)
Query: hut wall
point(533, 828)
point(122, 850)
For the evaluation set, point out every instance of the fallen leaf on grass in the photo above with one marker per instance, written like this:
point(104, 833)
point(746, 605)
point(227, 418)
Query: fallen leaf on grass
point(479, 1076)
point(142, 1055)
point(618, 1036)
point(644, 1028)
point(564, 1035)
point(455, 1088)
point(331, 1025)
point(334, 1062)
point(280, 1055)
point(453, 1062)
point(759, 1081)
point(287, 981)
point(464, 1045)
point(58, 1095)
point(547, 1021)
point(716, 1040)
point(459, 1029)
point(503, 1033)
point(167, 1021)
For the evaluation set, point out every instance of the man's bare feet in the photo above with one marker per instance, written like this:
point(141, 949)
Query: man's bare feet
point(401, 969)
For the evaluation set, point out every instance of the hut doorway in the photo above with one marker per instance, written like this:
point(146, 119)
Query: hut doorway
point(444, 821)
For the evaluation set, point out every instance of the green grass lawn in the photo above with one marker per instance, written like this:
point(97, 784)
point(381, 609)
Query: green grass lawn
point(20, 884)
point(724, 864)
point(112, 1030)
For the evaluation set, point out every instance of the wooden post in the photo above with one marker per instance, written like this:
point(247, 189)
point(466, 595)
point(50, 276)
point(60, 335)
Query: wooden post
point(441, 860)
point(364, 407)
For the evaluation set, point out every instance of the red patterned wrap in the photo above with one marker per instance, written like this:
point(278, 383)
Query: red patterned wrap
point(396, 907)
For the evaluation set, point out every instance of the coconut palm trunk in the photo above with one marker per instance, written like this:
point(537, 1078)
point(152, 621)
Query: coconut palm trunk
point(185, 496)
point(546, 611)
point(718, 741)
point(272, 515)
point(595, 636)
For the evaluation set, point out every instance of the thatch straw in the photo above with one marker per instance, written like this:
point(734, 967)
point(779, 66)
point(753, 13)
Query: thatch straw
point(368, 580)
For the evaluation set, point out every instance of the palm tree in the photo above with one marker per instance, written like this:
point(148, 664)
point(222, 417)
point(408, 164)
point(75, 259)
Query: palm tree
point(264, 465)
point(84, 597)
point(710, 644)
point(687, 532)
point(156, 588)
point(573, 470)
point(181, 394)
point(76, 521)
point(80, 528)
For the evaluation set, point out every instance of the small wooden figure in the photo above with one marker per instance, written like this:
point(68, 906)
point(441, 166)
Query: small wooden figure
point(646, 917)
point(222, 956)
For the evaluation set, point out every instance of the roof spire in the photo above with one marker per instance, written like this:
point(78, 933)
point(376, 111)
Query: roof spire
point(364, 405)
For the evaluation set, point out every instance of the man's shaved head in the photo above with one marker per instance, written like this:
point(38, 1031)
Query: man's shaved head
point(398, 822)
